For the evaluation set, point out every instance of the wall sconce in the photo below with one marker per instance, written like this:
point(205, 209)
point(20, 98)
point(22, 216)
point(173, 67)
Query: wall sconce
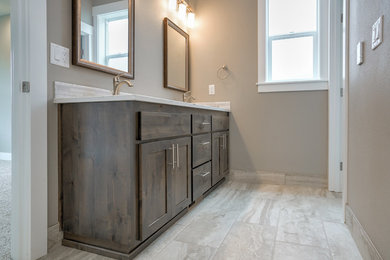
point(172, 5)
point(191, 20)
point(184, 11)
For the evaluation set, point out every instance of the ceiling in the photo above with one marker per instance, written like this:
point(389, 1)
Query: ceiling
point(4, 7)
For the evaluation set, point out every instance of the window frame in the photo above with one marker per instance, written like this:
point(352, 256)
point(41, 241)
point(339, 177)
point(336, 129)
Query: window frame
point(316, 47)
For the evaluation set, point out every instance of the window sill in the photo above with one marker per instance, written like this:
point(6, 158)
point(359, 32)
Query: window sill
point(292, 86)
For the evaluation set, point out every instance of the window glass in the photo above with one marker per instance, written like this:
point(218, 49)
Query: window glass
point(292, 16)
point(292, 58)
point(117, 36)
point(118, 63)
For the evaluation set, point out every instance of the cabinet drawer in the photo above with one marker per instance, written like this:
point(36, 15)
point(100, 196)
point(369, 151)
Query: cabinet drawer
point(201, 124)
point(201, 149)
point(153, 125)
point(220, 123)
point(201, 180)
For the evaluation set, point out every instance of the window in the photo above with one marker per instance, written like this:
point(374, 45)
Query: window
point(112, 39)
point(292, 40)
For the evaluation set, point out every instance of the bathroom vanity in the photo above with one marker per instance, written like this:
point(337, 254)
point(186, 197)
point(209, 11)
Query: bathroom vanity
point(131, 165)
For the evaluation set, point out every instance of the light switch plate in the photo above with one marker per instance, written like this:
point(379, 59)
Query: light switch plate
point(377, 33)
point(211, 89)
point(360, 53)
point(59, 55)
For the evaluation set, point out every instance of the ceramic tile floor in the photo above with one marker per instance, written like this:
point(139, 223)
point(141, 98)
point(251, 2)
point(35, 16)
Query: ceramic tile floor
point(249, 221)
point(5, 209)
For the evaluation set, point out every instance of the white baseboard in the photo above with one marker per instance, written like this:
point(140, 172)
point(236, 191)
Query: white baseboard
point(363, 241)
point(5, 156)
point(261, 177)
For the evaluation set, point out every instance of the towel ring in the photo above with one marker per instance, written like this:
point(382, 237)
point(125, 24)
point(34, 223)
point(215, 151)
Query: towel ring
point(220, 71)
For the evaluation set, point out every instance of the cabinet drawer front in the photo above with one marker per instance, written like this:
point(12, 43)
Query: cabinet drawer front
point(201, 149)
point(201, 124)
point(154, 125)
point(220, 123)
point(201, 180)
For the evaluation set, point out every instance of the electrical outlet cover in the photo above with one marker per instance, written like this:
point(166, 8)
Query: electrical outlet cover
point(211, 89)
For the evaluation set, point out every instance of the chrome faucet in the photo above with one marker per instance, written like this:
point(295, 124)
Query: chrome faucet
point(118, 83)
point(187, 97)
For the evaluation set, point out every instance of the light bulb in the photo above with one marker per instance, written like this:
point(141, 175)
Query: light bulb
point(182, 11)
point(191, 20)
point(172, 5)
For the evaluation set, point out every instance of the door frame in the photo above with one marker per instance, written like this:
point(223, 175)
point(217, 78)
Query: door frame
point(29, 129)
point(345, 104)
point(335, 124)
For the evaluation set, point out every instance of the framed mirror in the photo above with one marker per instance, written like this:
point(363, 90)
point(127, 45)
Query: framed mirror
point(176, 57)
point(103, 35)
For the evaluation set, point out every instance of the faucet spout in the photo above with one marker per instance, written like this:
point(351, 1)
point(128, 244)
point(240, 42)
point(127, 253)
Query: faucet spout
point(117, 83)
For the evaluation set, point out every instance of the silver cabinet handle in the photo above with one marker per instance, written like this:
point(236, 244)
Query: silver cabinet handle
point(205, 143)
point(178, 158)
point(173, 156)
point(206, 123)
point(205, 174)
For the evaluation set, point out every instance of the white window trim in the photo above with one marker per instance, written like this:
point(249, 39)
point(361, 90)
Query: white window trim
point(320, 83)
point(290, 86)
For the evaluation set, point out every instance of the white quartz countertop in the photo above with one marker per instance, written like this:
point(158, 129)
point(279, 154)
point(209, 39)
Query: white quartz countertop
point(71, 93)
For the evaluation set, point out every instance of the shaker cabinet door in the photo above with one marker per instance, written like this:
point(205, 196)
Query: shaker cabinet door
point(181, 176)
point(155, 168)
point(220, 157)
point(165, 182)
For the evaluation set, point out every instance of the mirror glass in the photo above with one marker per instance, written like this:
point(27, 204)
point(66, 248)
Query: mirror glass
point(105, 35)
point(175, 56)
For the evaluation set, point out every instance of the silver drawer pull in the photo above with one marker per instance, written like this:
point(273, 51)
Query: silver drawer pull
point(205, 174)
point(206, 123)
point(173, 156)
point(178, 158)
point(205, 143)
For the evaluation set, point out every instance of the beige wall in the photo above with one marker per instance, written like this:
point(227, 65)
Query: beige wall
point(369, 124)
point(148, 70)
point(277, 132)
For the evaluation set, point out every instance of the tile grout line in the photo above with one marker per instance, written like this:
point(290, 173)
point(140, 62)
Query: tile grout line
point(327, 240)
point(276, 234)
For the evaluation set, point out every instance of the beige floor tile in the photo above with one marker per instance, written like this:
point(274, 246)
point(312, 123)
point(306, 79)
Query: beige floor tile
point(300, 229)
point(341, 243)
point(208, 229)
point(261, 211)
point(247, 241)
point(177, 250)
point(286, 251)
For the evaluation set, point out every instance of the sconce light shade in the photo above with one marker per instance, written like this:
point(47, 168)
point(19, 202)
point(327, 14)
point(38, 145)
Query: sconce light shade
point(172, 5)
point(191, 20)
point(182, 11)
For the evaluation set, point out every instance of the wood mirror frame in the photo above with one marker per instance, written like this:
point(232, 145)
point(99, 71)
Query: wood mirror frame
point(168, 23)
point(76, 42)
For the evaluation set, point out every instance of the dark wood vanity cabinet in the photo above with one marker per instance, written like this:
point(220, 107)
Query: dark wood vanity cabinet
point(129, 169)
